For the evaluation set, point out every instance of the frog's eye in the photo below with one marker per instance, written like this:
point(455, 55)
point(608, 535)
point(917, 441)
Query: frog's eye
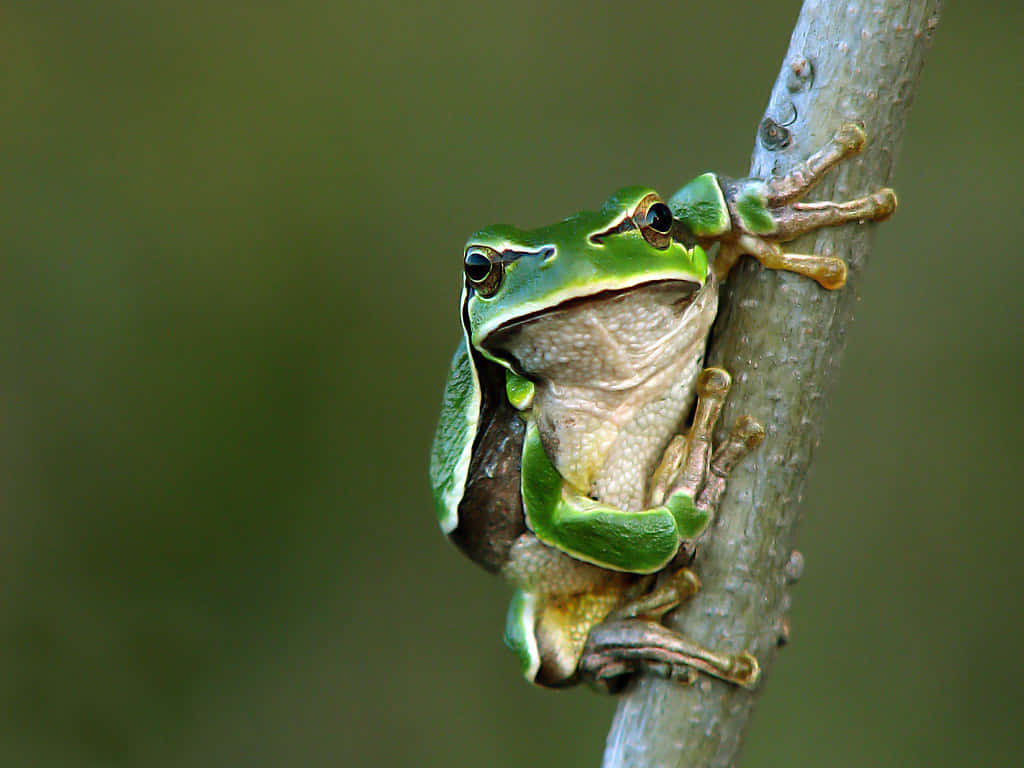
point(654, 220)
point(484, 270)
point(659, 218)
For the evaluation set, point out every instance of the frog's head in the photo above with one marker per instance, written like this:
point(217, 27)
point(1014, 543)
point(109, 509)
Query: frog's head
point(514, 277)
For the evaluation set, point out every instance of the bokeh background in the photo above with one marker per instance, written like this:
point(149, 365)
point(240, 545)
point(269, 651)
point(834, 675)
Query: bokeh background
point(231, 239)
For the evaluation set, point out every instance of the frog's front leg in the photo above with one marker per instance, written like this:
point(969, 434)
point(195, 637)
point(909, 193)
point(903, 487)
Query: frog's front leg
point(688, 467)
point(681, 498)
point(631, 639)
point(753, 216)
point(633, 541)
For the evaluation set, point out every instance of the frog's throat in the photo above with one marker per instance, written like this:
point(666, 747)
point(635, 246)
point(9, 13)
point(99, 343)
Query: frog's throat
point(557, 321)
point(688, 288)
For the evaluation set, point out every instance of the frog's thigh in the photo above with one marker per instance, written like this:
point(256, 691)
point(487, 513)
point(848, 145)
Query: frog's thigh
point(538, 568)
point(562, 627)
point(548, 633)
point(558, 601)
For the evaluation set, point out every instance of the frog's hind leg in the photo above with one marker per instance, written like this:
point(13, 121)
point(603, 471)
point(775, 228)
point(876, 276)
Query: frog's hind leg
point(669, 594)
point(630, 639)
point(558, 600)
point(562, 625)
point(617, 649)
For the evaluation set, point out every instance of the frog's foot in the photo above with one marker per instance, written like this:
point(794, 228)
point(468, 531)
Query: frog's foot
point(686, 468)
point(630, 640)
point(679, 587)
point(847, 141)
point(615, 650)
point(746, 435)
point(768, 213)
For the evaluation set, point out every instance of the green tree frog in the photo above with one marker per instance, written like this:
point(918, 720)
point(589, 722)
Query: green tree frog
point(562, 458)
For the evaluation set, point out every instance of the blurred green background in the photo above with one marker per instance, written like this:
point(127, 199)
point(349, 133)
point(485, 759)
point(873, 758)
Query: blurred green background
point(230, 272)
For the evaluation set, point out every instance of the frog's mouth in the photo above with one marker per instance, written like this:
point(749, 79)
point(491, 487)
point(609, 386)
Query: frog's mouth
point(675, 293)
point(613, 321)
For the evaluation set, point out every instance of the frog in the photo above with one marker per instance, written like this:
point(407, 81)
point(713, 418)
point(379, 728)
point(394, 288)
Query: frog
point(574, 450)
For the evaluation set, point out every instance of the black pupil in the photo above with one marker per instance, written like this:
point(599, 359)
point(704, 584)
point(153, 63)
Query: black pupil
point(478, 266)
point(659, 218)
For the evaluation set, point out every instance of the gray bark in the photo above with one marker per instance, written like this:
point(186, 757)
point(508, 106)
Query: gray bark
point(781, 336)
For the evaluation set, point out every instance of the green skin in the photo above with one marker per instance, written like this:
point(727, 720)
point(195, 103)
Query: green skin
point(562, 516)
point(593, 254)
point(533, 284)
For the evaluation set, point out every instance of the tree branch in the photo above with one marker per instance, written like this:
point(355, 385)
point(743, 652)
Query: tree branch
point(781, 336)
